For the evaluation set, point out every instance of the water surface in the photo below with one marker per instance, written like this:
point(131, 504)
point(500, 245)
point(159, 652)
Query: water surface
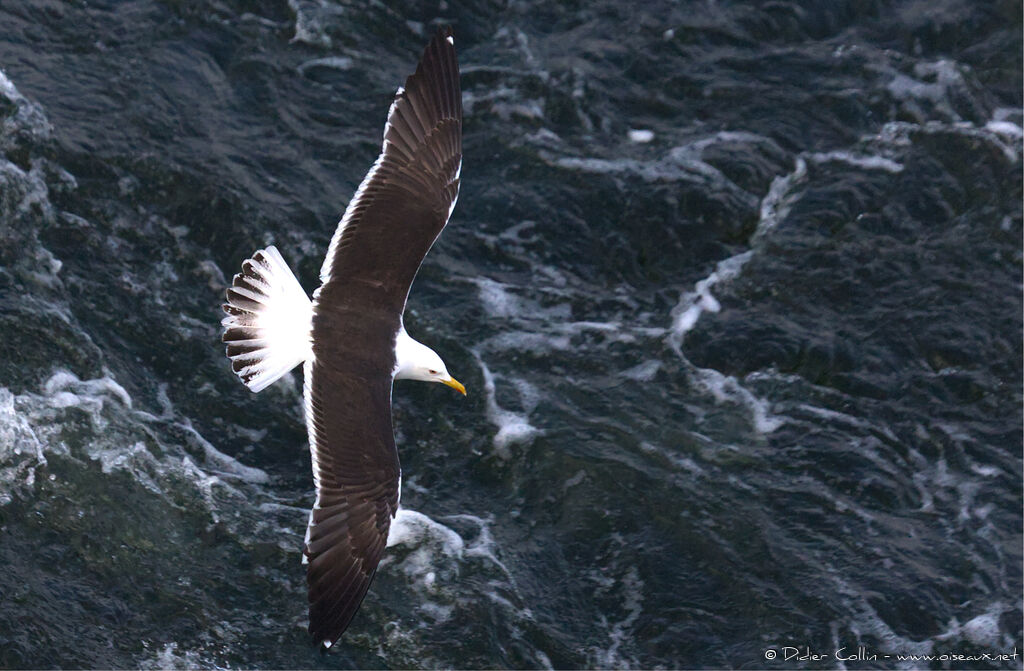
point(735, 288)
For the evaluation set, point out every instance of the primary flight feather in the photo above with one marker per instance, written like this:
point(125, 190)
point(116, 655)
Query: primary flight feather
point(351, 339)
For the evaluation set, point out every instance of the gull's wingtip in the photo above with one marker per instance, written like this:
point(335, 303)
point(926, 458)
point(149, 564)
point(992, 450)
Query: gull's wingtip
point(446, 34)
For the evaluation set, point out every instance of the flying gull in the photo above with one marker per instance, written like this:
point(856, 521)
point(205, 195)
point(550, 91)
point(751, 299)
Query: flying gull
point(350, 338)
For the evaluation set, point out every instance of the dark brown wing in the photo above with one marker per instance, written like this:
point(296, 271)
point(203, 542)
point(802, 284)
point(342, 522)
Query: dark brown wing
point(356, 473)
point(406, 198)
point(394, 218)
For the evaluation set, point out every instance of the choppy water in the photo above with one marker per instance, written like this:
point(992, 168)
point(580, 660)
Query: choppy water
point(735, 287)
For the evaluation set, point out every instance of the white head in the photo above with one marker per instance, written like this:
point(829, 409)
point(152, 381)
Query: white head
point(416, 361)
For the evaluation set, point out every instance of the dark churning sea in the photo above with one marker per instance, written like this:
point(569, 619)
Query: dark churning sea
point(736, 289)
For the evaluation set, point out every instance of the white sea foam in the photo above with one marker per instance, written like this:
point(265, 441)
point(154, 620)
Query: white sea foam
point(309, 28)
point(679, 461)
point(576, 479)
point(413, 528)
point(643, 372)
point(1009, 133)
point(700, 300)
point(26, 192)
point(28, 188)
point(9, 90)
point(866, 162)
point(941, 487)
point(115, 436)
point(640, 135)
point(906, 88)
point(726, 388)
point(31, 430)
point(684, 163)
point(21, 451)
point(64, 388)
point(677, 165)
point(215, 279)
point(982, 630)
point(901, 133)
point(29, 117)
point(331, 62)
point(931, 83)
point(617, 580)
point(544, 318)
point(693, 304)
point(524, 341)
point(774, 207)
point(483, 544)
point(544, 137)
point(431, 555)
point(865, 621)
point(777, 202)
point(1007, 113)
point(499, 301)
point(513, 428)
point(226, 465)
point(506, 102)
point(170, 658)
point(620, 631)
point(1005, 128)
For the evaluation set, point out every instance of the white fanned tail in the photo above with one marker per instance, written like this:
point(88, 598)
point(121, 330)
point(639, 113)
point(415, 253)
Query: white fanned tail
point(269, 322)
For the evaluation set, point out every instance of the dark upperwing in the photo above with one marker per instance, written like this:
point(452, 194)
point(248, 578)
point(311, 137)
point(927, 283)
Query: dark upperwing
point(406, 198)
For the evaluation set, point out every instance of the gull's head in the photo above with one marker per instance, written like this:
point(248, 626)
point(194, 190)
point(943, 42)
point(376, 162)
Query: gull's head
point(416, 361)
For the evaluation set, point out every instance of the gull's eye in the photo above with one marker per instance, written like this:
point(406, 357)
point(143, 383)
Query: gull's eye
point(432, 372)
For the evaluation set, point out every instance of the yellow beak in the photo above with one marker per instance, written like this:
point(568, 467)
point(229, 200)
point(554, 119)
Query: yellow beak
point(456, 385)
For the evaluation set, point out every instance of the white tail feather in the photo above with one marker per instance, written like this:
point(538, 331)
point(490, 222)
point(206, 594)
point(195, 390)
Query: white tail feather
point(268, 327)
